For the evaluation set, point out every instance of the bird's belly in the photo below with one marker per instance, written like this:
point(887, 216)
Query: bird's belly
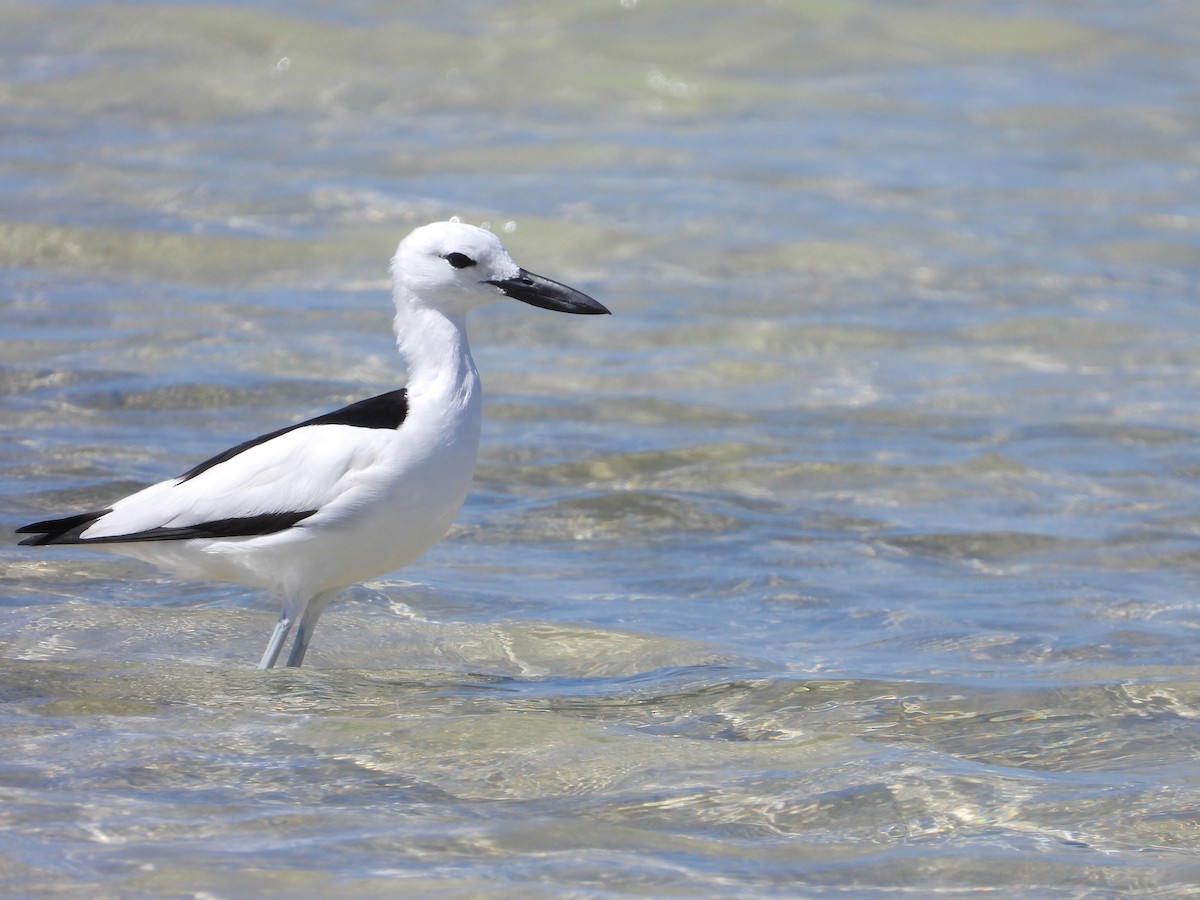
point(391, 531)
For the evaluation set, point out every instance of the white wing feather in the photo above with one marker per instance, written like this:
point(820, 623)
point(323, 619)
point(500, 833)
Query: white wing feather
point(318, 467)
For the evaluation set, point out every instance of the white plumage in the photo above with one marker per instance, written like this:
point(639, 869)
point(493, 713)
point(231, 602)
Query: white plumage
point(356, 493)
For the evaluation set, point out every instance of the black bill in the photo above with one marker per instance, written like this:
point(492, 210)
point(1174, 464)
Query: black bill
point(538, 291)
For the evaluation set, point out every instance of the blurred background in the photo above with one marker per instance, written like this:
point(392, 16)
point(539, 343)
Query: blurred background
point(855, 553)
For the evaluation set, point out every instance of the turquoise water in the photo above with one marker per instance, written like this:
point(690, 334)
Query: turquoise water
point(855, 554)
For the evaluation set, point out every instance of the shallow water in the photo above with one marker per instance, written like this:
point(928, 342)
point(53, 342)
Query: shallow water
point(855, 554)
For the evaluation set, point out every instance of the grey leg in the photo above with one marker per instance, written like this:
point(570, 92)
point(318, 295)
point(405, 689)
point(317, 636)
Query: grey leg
point(308, 622)
point(278, 636)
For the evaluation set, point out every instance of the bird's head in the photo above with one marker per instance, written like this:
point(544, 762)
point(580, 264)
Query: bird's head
point(456, 267)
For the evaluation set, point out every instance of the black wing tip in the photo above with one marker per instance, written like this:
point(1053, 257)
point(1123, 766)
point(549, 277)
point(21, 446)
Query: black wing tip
point(60, 531)
point(68, 530)
point(258, 525)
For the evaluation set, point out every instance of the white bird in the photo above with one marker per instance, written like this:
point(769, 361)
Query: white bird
point(356, 493)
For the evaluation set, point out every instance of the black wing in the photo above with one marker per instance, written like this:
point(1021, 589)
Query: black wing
point(384, 411)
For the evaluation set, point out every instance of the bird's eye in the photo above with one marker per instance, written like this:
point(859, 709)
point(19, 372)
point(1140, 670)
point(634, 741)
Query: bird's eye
point(459, 260)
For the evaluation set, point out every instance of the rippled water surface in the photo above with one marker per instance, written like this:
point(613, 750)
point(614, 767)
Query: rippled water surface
point(856, 553)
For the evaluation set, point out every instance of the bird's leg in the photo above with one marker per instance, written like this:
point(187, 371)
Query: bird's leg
point(278, 636)
point(299, 647)
point(308, 622)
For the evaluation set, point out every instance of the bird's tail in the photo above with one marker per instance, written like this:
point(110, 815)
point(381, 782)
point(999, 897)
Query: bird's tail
point(60, 531)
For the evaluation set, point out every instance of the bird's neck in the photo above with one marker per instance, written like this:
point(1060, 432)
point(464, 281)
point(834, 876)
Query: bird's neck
point(433, 345)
